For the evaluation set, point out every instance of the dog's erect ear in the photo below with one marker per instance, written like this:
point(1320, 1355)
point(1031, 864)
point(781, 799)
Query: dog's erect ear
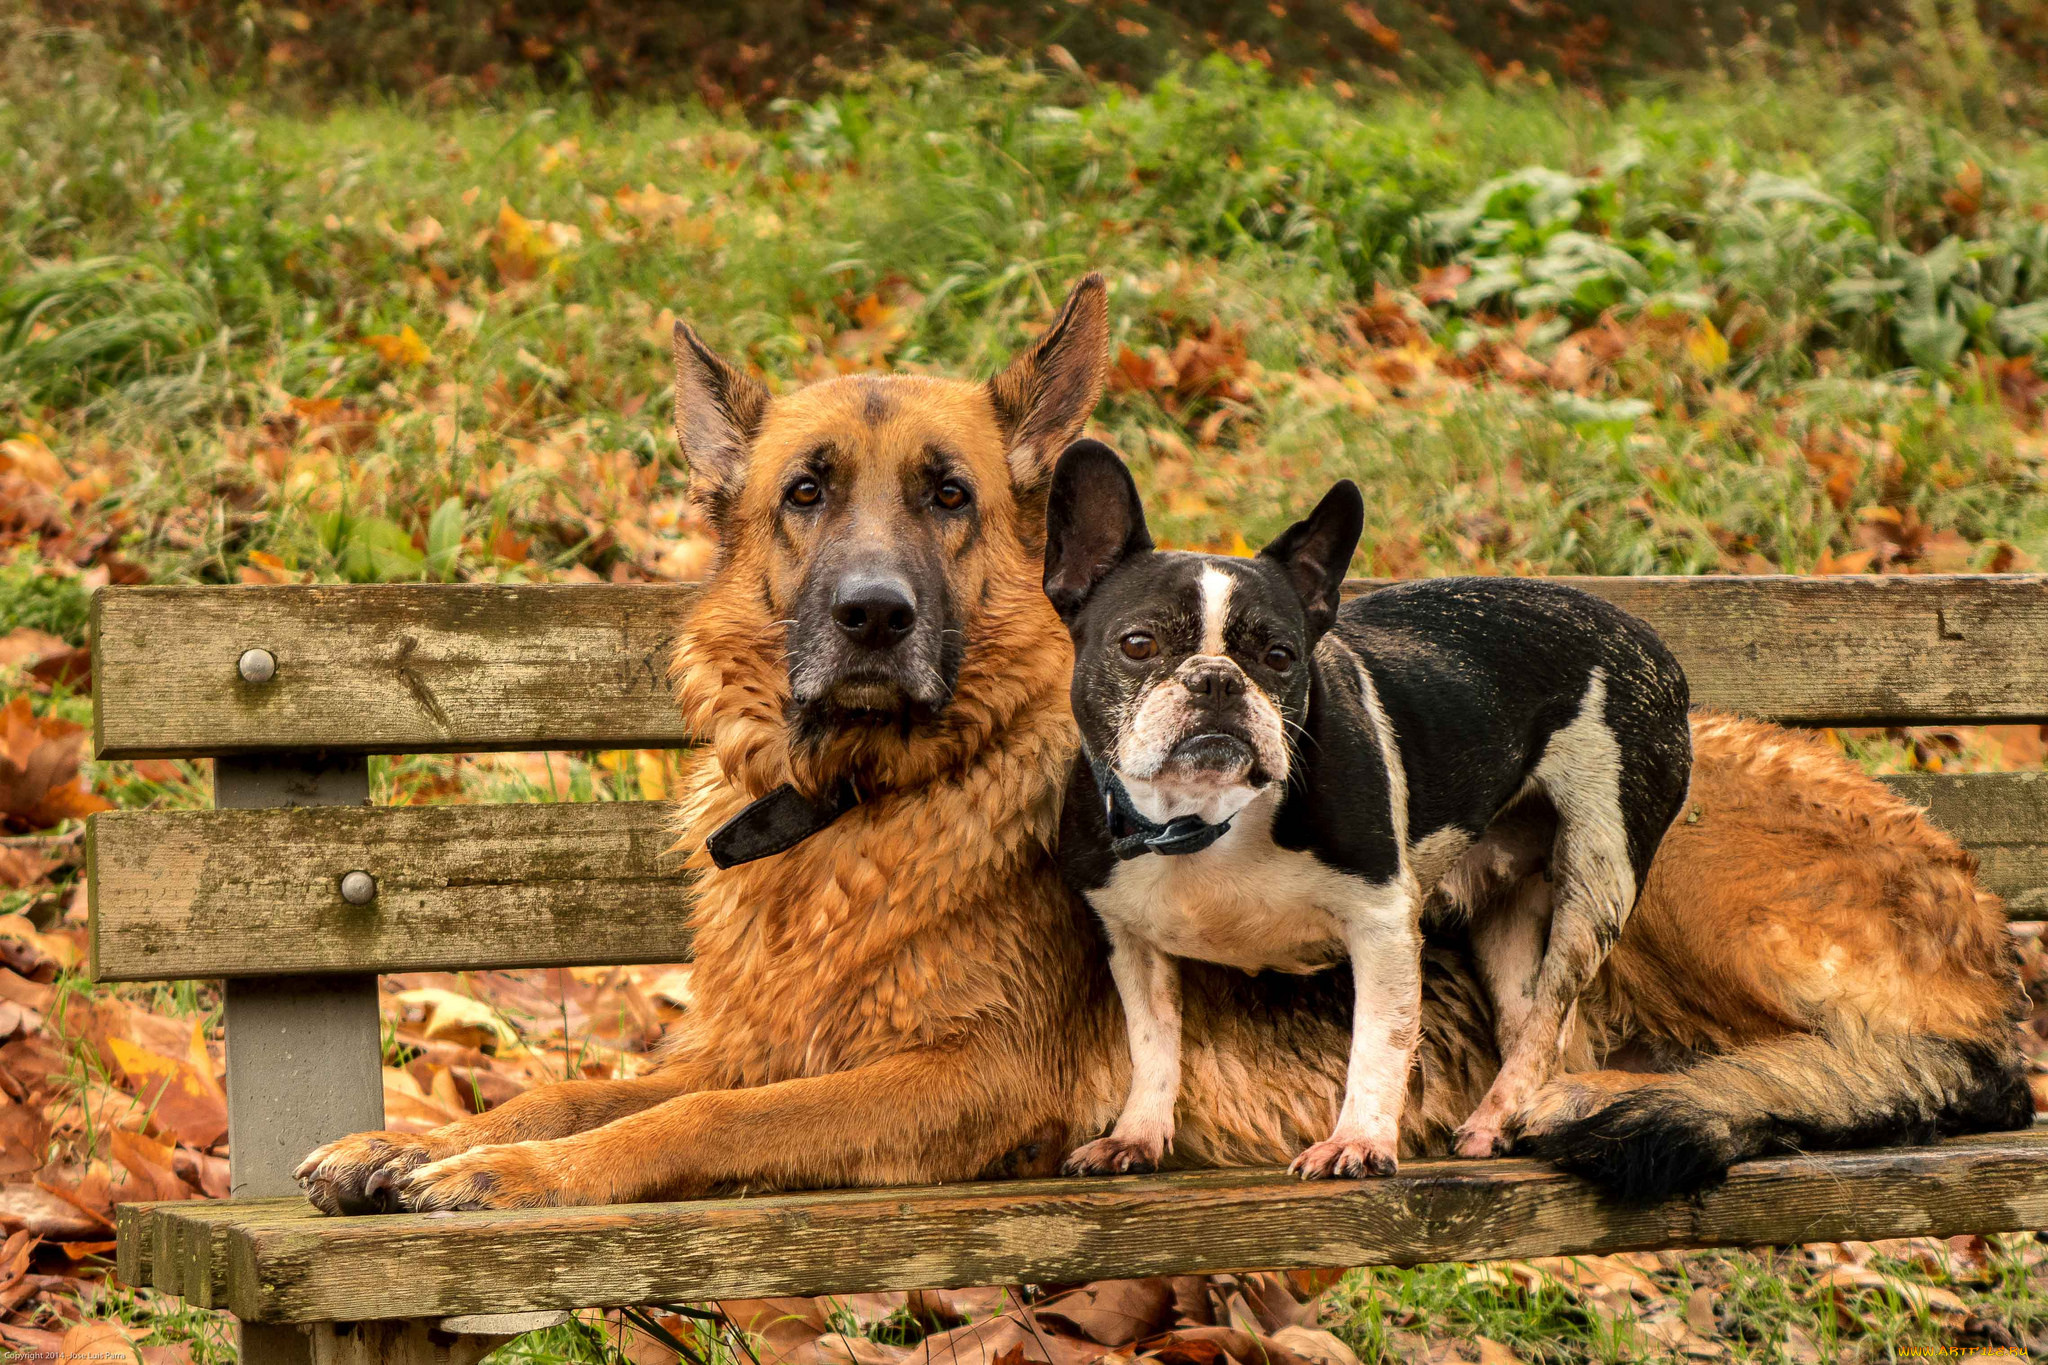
point(718, 410)
point(1317, 551)
point(1093, 522)
point(1045, 396)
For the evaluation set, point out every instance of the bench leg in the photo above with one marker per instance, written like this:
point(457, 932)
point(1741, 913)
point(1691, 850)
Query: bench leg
point(304, 1053)
point(304, 1064)
point(397, 1343)
point(418, 1342)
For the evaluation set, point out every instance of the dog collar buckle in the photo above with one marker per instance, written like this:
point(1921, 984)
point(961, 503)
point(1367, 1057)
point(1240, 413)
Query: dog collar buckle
point(1131, 835)
point(1185, 834)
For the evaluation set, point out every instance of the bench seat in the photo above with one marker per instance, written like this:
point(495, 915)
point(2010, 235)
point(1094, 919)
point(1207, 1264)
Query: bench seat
point(279, 1261)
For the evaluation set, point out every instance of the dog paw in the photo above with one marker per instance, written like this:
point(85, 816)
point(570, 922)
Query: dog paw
point(1343, 1158)
point(1565, 1101)
point(1480, 1143)
point(515, 1175)
point(360, 1174)
point(1479, 1137)
point(1115, 1155)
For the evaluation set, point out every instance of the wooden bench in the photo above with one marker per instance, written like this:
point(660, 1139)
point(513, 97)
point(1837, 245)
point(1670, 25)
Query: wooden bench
point(289, 688)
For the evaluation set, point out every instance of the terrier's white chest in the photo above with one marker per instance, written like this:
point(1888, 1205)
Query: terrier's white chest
point(1244, 902)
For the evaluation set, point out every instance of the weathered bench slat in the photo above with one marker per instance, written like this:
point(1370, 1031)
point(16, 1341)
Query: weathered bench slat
point(419, 668)
point(258, 892)
point(2000, 817)
point(276, 1265)
point(238, 893)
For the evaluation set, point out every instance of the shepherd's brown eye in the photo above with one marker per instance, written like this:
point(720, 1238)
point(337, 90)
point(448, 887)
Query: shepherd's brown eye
point(1138, 646)
point(1279, 658)
point(803, 493)
point(952, 495)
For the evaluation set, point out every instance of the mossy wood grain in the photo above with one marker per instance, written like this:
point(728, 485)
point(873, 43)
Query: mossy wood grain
point(2000, 817)
point(255, 893)
point(276, 1265)
point(226, 893)
point(421, 668)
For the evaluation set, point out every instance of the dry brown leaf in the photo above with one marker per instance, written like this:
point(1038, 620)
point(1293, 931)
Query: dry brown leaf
point(22, 945)
point(777, 1327)
point(39, 1212)
point(1111, 1312)
point(1492, 1352)
point(149, 1163)
point(185, 1100)
point(68, 668)
point(1005, 1340)
point(521, 248)
point(955, 1307)
point(460, 1018)
point(1595, 1273)
point(410, 1109)
point(29, 457)
point(39, 782)
point(21, 867)
point(1319, 1347)
point(101, 1110)
point(99, 1343)
point(202, 1171)
point(32, 1341)
point(1798, 1346)
point(1843, 1281)
point(1699, 1310)
point(24, 645)
point(23, 1135)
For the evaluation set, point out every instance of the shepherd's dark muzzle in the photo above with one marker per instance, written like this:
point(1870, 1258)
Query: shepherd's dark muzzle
point(872, 636)
point(875, 610)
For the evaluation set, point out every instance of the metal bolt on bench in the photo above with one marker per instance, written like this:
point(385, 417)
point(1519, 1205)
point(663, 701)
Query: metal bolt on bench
point(299, 893)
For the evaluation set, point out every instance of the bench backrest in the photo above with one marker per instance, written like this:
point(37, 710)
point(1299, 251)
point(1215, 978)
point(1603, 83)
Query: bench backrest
point(253, 891)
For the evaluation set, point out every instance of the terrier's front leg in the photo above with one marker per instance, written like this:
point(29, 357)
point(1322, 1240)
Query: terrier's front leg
point(1148, 983)
point(1386, 971)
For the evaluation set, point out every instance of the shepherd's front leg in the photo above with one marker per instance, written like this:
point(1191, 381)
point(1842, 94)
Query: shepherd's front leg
point(361, 1173)
point(1385, 944)
point(940, 1113)
point(1148, 983)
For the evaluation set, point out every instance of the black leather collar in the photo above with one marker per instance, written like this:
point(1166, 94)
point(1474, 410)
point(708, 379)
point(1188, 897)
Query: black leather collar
point(776, 823)
point(1131, 835)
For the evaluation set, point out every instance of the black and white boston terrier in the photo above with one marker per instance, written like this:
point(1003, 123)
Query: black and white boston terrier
point(1273, 781)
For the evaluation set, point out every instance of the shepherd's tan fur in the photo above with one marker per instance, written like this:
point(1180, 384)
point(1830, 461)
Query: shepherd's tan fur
point(911, 995)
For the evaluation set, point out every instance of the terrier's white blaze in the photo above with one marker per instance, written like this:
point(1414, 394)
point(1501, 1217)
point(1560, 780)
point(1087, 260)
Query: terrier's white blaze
point(1215, 589)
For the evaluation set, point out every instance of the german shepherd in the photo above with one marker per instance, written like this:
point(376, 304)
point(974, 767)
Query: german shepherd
point(907, 993)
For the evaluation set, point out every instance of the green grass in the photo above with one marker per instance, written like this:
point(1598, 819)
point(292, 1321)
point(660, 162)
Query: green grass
point(178, 268)
point(1755, 320)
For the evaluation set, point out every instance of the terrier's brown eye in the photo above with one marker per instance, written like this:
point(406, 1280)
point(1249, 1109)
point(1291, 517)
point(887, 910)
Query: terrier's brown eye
point(1279, 658)
point(952, 495)
point(1138, 646)
point(803, 493)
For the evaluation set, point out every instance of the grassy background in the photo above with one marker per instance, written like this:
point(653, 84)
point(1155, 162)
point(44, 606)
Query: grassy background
point(274, 307)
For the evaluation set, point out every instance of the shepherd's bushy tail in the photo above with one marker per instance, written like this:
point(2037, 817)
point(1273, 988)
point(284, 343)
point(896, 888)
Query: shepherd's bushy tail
point(1810, 1091)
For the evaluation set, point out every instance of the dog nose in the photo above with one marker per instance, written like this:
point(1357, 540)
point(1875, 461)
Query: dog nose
point(874, 612)
point(1213, 680)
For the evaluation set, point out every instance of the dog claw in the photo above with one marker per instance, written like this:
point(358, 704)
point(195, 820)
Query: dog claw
point(355, 1175)
point(1483, 1140)
point(1345, 1159)
point(1115, 1156)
